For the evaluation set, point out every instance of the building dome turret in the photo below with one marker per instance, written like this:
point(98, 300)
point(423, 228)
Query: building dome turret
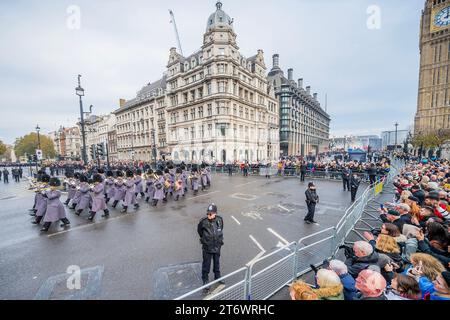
point(219, 19)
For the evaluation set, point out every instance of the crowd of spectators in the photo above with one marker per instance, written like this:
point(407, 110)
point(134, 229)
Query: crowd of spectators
point(408, 257)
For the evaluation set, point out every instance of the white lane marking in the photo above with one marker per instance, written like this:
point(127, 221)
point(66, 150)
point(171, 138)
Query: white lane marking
point(254, 215)
point(236, 220)
point(257, 243)
point(245, 184)
point(203, 195)
point(285, 209)
point(259, 255)
point(278, 236)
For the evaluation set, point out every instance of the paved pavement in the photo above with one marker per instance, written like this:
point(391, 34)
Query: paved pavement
point(152, 253)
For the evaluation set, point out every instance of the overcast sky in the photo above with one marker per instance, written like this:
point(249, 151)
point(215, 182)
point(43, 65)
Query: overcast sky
point(370, 75)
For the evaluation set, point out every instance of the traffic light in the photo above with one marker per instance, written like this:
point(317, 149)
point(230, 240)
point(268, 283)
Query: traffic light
point(92, 151)
point(100, 150)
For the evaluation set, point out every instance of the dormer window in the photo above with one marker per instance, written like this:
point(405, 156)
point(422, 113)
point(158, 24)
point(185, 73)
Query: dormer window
point(210, 22)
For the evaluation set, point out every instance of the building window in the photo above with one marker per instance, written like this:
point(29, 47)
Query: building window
point(222, 51)
point(200, 112)
point(186, 115)
point(222, 87)
point(209, 110)
point(209, 88)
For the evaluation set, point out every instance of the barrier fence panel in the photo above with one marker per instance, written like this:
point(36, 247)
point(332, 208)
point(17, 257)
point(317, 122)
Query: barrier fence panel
point(235, 289)
point(271, 273)
point(313, 249)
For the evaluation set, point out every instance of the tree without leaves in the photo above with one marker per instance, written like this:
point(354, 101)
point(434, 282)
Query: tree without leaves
point(29, 143)
point(2, 148)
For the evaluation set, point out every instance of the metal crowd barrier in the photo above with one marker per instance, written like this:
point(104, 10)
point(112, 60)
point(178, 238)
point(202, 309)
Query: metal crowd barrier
point(267, 275)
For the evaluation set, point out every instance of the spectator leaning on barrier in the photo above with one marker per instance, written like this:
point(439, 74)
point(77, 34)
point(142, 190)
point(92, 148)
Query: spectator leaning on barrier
point(360, 258)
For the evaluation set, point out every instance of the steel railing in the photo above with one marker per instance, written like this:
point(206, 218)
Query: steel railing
point(265, 276)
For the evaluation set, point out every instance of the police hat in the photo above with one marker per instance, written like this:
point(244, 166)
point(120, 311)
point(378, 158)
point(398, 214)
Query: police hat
point(130, 174)
point(212, 208)
point(83, 178)
point(109, 173)
point(45, 178)
point(138, 172)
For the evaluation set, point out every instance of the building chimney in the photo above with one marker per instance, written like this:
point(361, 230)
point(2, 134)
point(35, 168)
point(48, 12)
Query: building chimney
point(315, 96)
point(308, 89)
point(276, 61)
point(122, 103)
point(290, 74)
point(300, 83)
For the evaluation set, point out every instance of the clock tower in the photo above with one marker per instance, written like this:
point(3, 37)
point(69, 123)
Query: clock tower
point(433, 107)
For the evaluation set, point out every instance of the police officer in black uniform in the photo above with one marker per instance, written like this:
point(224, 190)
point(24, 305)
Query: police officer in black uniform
point(355, 181)
point(312, 199)
point(303, 169)
point(346, 176)
point(210, 230)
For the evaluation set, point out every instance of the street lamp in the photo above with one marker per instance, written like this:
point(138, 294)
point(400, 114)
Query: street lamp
point(80, 93)
point(39, 137)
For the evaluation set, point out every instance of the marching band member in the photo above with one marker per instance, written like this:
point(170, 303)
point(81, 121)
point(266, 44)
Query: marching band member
point(110, 189)
point(167, 184)
point(159, 188)
point(77, 197)
point(195, 180)
point(98, 199)
point(185, 178)
point(41, 205)
point(55, 209)
point(139, 189)
point(130, 195)
point(204, 180)
point(85, 199)
point(179, 188)
point(208, 175)
point(150, 183)
point(120, 189)
point(72, 188)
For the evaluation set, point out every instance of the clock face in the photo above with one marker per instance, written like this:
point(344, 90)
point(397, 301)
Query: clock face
point(442, 18)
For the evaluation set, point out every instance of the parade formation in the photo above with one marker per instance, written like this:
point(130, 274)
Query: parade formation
point(94, 189)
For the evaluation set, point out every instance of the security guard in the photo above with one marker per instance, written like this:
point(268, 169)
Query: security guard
point(355, 181)
point(210, 230)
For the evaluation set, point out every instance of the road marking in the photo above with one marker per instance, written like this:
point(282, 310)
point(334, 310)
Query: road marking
point(259, 255)
point(203, 195)
point(253, 215)
point(257, 243)
point(236, 220)
point(278, 236)
point(285, 209)
point(246, 197)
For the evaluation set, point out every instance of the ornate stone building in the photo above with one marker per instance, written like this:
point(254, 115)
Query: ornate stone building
point(141, 124)
point(433, 110)
point(220, 105)
point(304, 125)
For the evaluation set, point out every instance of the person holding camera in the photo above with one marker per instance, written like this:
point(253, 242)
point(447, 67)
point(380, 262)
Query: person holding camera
point(312, 199)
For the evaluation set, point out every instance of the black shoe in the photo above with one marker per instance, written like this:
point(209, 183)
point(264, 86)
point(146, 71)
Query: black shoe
point(106, 214)
point(32, 214)
point(147, 199)
point(221, 282)
point(78, 212)
point(315, 222)
point(206, 291)
point(124, 210)
point(136, 206)
point(307, 221)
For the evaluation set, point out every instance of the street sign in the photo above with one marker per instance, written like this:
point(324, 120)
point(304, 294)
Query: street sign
point(39, 154)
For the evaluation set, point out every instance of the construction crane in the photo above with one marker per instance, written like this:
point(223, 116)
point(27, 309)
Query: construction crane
point(172, 17)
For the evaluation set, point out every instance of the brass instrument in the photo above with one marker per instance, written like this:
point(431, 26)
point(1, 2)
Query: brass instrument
point(167, 184)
